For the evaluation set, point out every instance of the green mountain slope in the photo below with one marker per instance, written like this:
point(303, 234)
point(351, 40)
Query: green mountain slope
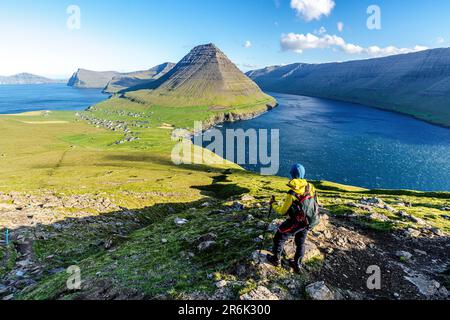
point(416, 84)
point(205, 77)
point(126, 80)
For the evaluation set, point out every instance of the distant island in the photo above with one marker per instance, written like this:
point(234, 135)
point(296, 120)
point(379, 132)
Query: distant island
point(113, 81)
point(26, 78)
point(416, 84)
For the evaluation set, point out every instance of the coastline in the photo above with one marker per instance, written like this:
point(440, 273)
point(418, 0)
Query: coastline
point(368, 105)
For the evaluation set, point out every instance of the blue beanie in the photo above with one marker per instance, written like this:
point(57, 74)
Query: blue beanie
point(298, 171)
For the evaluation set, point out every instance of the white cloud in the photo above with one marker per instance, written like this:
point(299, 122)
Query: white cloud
point(300, 42)
point(440, 40)
point(312, 9)
point(247, 44)
point(340, 26)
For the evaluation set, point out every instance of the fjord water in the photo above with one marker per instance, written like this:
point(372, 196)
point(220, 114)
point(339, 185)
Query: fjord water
point(357, 145)
point(25, 98)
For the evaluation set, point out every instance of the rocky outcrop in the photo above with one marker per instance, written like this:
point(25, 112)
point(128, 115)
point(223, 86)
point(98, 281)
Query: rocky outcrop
point(417, 84)
point(88, 79)
point(260, 293)
point(319, 291)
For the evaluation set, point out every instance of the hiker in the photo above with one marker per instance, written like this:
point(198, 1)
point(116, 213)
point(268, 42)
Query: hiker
point(302, 207)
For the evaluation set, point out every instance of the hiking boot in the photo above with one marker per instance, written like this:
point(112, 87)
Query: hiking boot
point(297, 267)
point(273, 260)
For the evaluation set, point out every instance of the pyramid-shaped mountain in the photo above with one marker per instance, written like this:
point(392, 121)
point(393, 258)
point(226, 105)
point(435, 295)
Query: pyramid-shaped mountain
point(205, 77)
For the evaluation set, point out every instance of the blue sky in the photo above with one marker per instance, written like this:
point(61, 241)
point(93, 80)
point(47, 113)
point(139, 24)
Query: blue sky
point(132, 35)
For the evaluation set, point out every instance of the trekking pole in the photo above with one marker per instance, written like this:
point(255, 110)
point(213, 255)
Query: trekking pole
point(265, 229)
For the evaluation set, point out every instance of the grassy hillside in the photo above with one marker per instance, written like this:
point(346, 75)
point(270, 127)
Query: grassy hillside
point(110, 209)
point(204, 77)
point(126, 80)
point(416, 84)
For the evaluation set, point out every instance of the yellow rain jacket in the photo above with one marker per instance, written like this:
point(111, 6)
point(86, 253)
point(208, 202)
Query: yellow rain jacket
point(298, 186)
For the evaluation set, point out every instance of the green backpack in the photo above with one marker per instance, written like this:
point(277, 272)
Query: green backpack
point(306, 206)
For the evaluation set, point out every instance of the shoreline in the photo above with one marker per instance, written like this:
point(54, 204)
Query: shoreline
point(437, 124)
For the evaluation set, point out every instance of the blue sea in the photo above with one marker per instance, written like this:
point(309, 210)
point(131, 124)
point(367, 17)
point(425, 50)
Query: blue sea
point(335, 141)
point(25, 98)
point(356, 145)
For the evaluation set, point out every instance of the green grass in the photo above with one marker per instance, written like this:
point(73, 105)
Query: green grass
point(8, 256)
point(59, 153)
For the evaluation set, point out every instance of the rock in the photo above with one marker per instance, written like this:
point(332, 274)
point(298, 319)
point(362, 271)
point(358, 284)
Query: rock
point(10, 297)
point(57, 270)
point(403, 214)
point(263, 267)
point(443, 292)
point(171, 210)
point(206, 204)
point(237, 206)
point(164, 241)
point(247, 197)
point(375, 202)
point(259, 239)
point(20, 273)
point(23, 263)
point(437, 232)
point(419, 221)
point(378, 217)
point(319, 291)
point(259, 294)
point(428, 288)
point(180, 222)
point(389, 208)
point(327, 234)
point(360, 206)
point(274, 225)
point(206, 245)
point(311, 250)
point(413, 233)
point(221, 284)
point(3, 289)
point(6, 206)
point(404, 254)
point(323, 224)
point(423, 253)
point(445, 209)
point(446, 217)
point(208, 237)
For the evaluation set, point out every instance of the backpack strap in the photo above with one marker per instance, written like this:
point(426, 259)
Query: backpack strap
point(305, 196)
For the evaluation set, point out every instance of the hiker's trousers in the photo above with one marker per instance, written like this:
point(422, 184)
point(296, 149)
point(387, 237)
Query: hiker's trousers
point(287, 230)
